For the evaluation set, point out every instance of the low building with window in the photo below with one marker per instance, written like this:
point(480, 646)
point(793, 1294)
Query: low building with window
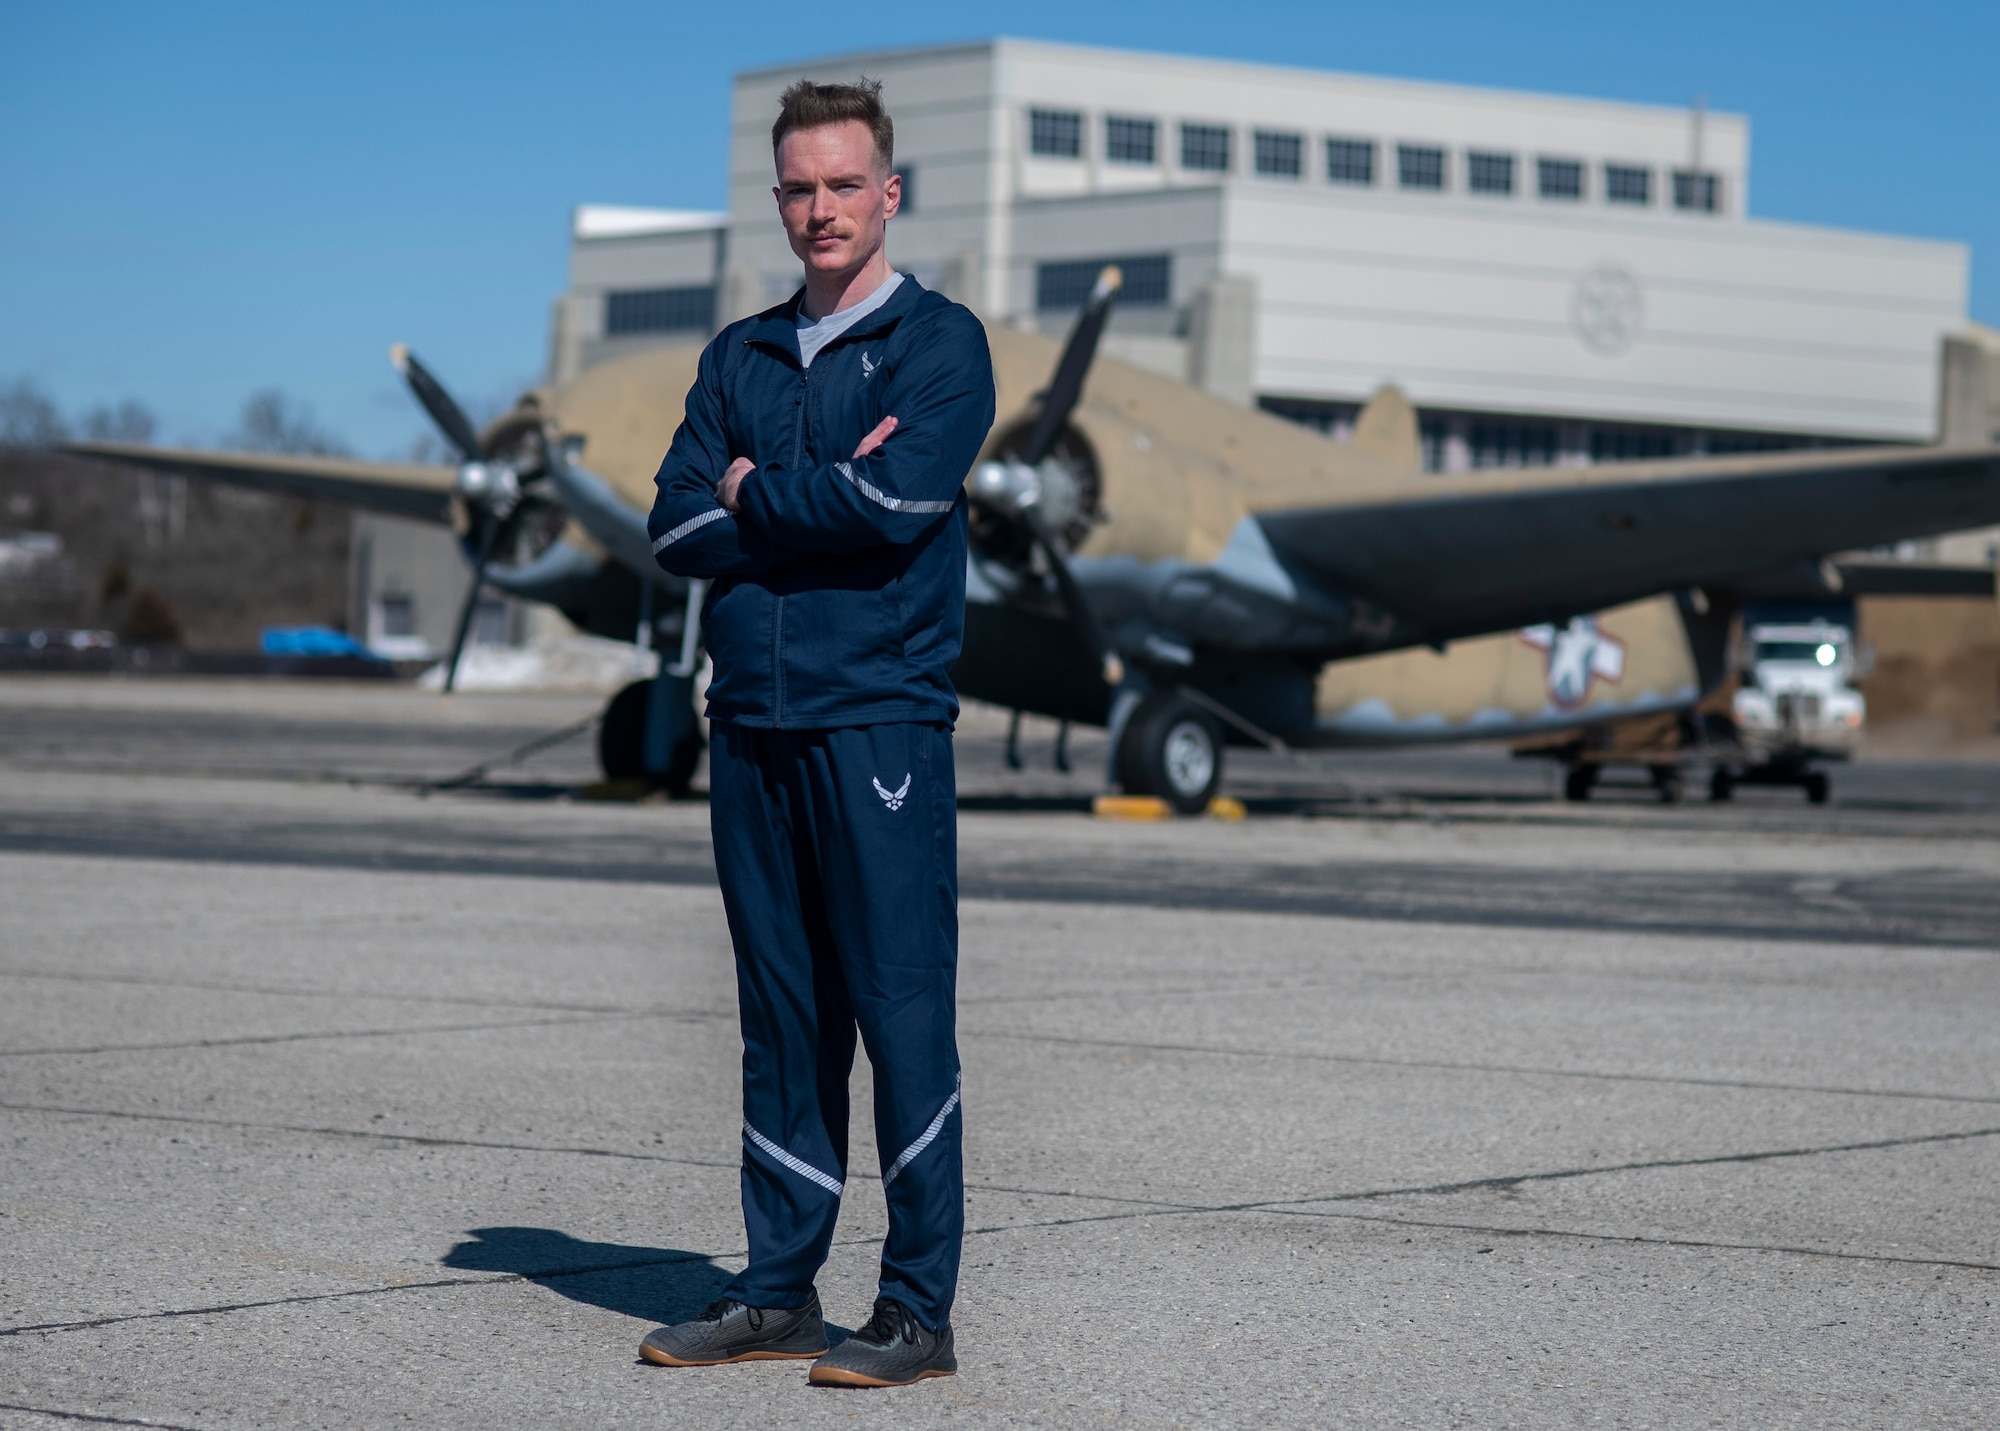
point(636, 277)
point(1552, 280)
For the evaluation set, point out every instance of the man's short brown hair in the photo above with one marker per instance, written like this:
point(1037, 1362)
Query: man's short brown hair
point(807, 105)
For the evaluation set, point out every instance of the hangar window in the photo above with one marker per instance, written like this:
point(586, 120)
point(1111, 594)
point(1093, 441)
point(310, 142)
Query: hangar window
point(1560, 178)
point(1721, 444)
point(1433, 433)
point(1279, 154)
point(1419, 166)
point(1628, 184)
point(1205, 146)
point(1489, 173)
point(492, 623)
point(1511, 444)
point(1131, 141)
point(1698, 190)
point(1632, 444)
point(1065, 284)
point(660, 310)
point(395, 615)
point(1350, 161)
point(1057, 132)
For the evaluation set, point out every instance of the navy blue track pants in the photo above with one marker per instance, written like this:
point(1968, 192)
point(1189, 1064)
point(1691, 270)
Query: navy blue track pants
point(838, 856)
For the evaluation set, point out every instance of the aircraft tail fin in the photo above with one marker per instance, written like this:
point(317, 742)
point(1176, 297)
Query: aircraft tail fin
point(1387, 427)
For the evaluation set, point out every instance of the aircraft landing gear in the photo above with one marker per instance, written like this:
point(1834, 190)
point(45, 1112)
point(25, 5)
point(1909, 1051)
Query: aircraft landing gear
point(624, 741)
point(1171, 748)
point(1012, 754)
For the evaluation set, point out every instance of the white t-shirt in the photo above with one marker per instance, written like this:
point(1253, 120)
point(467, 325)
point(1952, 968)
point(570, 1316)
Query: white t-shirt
point(814, 336)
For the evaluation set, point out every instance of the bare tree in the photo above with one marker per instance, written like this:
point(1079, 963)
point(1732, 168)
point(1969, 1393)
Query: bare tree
point(273, 422)
point(29, 417)
point(128, 422)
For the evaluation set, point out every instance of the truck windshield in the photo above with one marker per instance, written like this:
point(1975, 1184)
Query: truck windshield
point(1819, 653)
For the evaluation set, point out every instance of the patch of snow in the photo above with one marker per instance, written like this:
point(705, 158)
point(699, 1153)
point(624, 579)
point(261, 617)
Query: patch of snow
point(560, 663)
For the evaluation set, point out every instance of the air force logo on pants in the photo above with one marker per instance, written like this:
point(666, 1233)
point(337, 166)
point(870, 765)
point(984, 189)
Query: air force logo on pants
point(893, 798)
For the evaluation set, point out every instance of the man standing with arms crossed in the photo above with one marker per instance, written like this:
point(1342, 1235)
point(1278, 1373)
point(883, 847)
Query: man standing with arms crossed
point(817, 481)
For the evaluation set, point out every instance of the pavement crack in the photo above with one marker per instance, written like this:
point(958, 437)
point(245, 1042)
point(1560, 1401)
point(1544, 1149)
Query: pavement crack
point(1485, 1230)
point(551, 1274)
point(1521, 1070)
point(418, 1139)
point(222, 1307)
point(1696, 1244)
point(1513, 1180)
point(329, 1035)
point(1165, 1208)
point(93, 1418)
point(225, 986)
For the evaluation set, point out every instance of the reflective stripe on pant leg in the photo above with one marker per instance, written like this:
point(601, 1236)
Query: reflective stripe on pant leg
point(924, 1139)
point(805, 1169)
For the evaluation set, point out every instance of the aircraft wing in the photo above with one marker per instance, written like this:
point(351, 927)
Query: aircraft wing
point(1472, 561)
point(1878, 577)
point(398, 489)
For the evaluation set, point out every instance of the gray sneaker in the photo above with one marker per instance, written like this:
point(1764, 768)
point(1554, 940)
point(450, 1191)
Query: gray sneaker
point(729, 1331)
point(892, 1350)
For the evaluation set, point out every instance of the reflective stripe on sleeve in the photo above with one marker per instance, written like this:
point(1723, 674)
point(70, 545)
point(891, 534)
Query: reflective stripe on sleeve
point(692, 524)
point(883, 499)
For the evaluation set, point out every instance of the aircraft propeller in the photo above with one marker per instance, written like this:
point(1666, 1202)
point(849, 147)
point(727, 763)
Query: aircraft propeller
point(446, 413)
point(1015, 485)
point(492, 489)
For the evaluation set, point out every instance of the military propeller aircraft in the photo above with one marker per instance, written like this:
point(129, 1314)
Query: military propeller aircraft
point(1184, 571)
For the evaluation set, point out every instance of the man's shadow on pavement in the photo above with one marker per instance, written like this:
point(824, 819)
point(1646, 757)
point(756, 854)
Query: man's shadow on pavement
point(654, 1284)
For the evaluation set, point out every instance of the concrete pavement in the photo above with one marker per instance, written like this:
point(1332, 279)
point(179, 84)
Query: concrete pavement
point(295, 1136)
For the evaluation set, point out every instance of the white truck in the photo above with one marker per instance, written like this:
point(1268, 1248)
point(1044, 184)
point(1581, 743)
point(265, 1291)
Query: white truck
point(1797, 708)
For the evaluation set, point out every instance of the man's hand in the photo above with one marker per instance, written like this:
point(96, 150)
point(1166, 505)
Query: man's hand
point(726, 491)
point(876, 438)
point(729, 490)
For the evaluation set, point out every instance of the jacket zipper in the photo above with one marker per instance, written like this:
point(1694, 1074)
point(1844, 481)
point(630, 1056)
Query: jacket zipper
point(778, 616)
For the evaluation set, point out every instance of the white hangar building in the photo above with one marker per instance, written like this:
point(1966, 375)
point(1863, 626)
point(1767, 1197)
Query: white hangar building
point(1552, 280)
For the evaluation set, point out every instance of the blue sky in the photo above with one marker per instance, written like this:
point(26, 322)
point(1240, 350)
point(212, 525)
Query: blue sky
point(205, 199)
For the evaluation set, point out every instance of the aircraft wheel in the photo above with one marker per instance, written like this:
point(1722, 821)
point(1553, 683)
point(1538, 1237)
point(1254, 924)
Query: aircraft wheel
point(1818, 787)
point(1667, 782)
point(1577, 784)
point(1721, 786)
point(621, 744)
point(1172, 748)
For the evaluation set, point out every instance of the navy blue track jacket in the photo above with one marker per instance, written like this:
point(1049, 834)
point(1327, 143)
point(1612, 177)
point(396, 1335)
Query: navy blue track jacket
point(839, 596)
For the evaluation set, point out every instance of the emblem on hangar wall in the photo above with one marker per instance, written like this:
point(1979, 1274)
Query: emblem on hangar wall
point(1579, 656)
point(1606, 310)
